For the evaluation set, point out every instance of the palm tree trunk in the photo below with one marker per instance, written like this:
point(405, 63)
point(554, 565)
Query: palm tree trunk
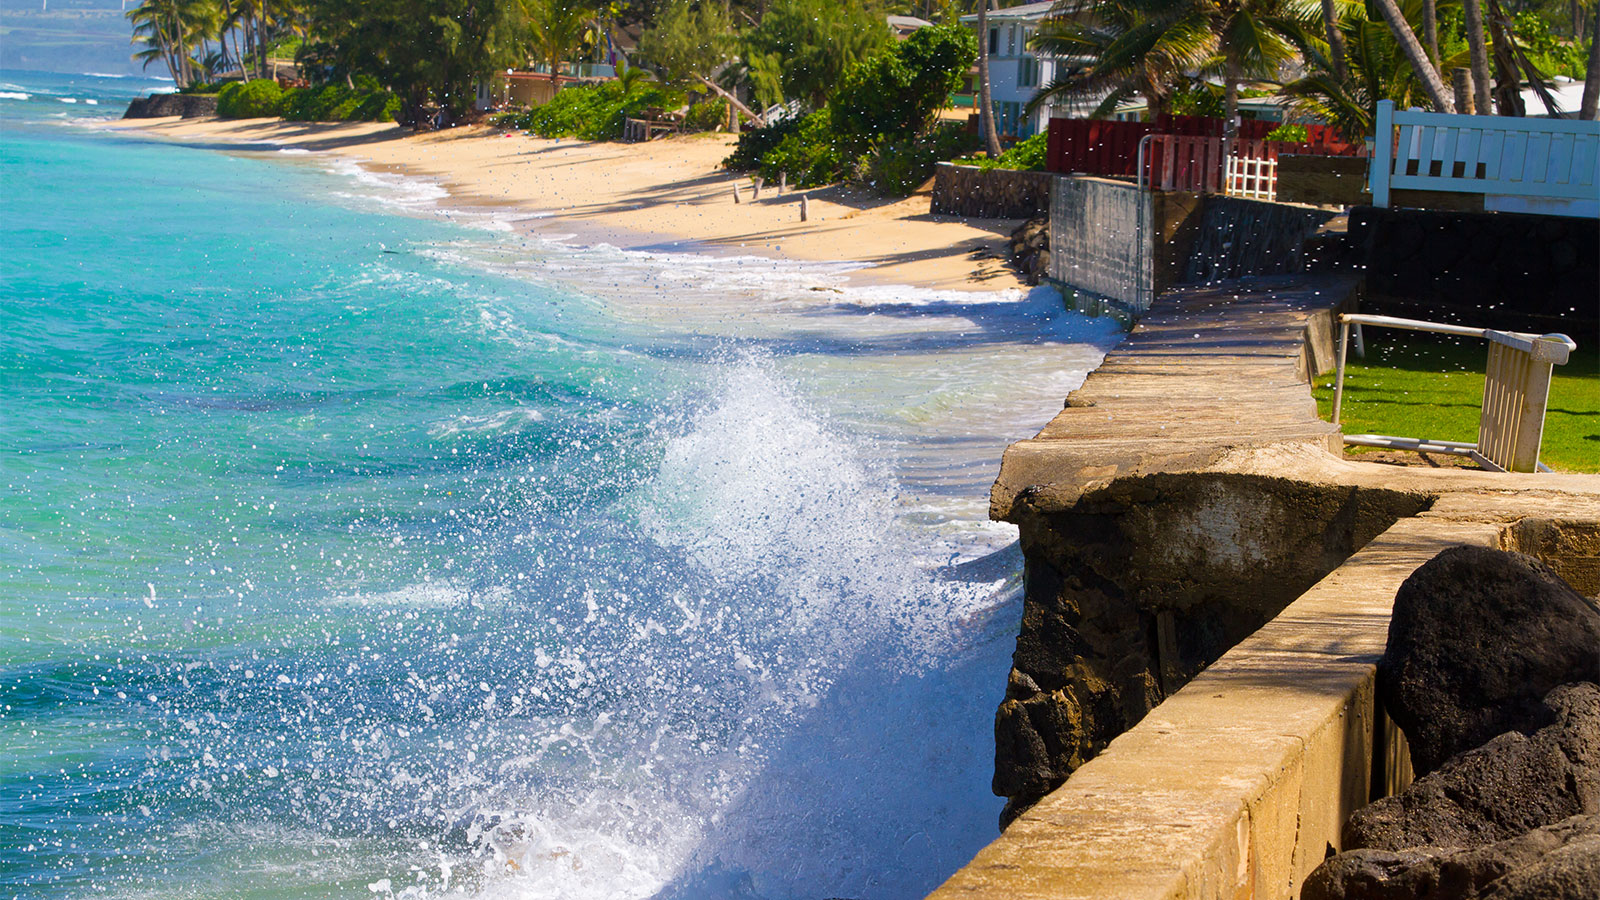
point(1430, 31)
point(1508, 78)
point(1330, 21)
point(1479, 51)
point(991, 137)
point(1431, 82)
point(1230, 102)
point(1590, 108)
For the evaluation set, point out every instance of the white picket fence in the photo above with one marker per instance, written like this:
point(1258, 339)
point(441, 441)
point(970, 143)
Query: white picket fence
point(1549, 166)
point(1255, 178)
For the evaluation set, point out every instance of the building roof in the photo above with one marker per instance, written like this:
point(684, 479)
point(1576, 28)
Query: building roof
point(907, 23)
point(1029, 12)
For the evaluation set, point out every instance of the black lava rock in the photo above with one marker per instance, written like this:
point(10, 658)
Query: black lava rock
point(1478, 638)
point(1511, 785)
point(1556, 862)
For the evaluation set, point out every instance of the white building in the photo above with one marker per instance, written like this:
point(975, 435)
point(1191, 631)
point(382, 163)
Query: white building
point(1016, 73)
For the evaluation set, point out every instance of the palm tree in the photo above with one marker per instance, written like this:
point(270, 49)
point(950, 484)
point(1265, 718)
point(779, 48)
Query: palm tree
point(1473, 13)
point(1149, 45)
point(557, 28)
point(1590, 106)
point(1125, 47)
point(1336, 47)
point(1375, 69)
point(1255, 39)
point(1407, 39)
point(169, 29)
point(991, 138)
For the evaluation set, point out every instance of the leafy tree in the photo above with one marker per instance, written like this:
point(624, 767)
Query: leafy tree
point(901, 90)
point(878, 125)
point(689, 39)
point(818, 41)
point(429, 52)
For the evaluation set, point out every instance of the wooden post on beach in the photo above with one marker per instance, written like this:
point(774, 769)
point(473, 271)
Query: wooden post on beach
point(783, 182)
point(736, 192)
point(805, 209)
point(755, 188)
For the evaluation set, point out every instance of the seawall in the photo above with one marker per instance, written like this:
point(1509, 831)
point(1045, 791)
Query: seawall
point(1190, 712)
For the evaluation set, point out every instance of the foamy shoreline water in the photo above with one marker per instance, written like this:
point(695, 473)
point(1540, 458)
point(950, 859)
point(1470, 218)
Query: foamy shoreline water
point(661, 195)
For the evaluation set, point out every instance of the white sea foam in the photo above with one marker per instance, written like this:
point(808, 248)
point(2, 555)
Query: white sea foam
point(13, 95)
point(392, 189)
point(68, 99)
point(501, 420)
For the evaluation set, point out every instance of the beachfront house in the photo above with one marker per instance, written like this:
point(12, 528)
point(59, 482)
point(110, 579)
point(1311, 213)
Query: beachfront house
point(1016, 73)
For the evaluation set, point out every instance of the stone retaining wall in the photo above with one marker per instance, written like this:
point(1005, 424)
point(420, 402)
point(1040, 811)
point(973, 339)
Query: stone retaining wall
point(990, 193)
point(1239, 238)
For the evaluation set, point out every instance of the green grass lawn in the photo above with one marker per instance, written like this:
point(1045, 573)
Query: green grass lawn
point(1413, 386)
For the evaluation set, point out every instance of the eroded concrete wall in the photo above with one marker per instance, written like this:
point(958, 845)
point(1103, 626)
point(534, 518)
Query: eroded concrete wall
point(1141, 584)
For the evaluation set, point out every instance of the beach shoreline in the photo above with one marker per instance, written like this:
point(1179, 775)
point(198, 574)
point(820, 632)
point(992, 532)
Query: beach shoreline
point(668, 195)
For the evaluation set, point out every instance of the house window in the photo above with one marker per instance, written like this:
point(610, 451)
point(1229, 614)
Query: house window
point(994, 42)
point(1028, 72)
point(1011, 41)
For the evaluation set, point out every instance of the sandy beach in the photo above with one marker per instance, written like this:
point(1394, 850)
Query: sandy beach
point(669, 193)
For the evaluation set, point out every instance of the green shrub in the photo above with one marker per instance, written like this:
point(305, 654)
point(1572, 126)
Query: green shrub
point(812, 154)
point(898, 92)
point(899, 167)
point(337, 103)
point(756, 143)
point(592, 112)
point(878, 125)
point(1288, 132)
point(707, 115)
point(1028, 155)
point(257, 99)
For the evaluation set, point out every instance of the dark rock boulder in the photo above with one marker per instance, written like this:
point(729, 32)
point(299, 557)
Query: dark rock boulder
point(1556, 862)
point(1478, 637)
point(157, 106)
point(1509, 786)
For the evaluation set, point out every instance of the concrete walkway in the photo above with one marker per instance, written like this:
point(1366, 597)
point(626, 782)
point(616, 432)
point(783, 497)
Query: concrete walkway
point(1237, 785)
point(1209, 369)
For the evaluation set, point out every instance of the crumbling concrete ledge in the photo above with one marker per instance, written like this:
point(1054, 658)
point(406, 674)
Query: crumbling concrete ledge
point(1226, 776)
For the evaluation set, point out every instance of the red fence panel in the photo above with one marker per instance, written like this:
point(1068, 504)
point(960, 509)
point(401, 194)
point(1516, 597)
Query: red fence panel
point(1188, 152)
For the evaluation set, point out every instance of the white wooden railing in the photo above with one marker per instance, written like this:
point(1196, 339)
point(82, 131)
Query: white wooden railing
point(1516, 390)
point(1549, 166)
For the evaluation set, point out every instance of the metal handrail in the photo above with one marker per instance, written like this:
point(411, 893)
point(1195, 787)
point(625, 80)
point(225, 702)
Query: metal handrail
point(1553, 348)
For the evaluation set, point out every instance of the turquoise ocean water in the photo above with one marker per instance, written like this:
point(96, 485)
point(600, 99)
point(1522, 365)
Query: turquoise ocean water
point(355, 546)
